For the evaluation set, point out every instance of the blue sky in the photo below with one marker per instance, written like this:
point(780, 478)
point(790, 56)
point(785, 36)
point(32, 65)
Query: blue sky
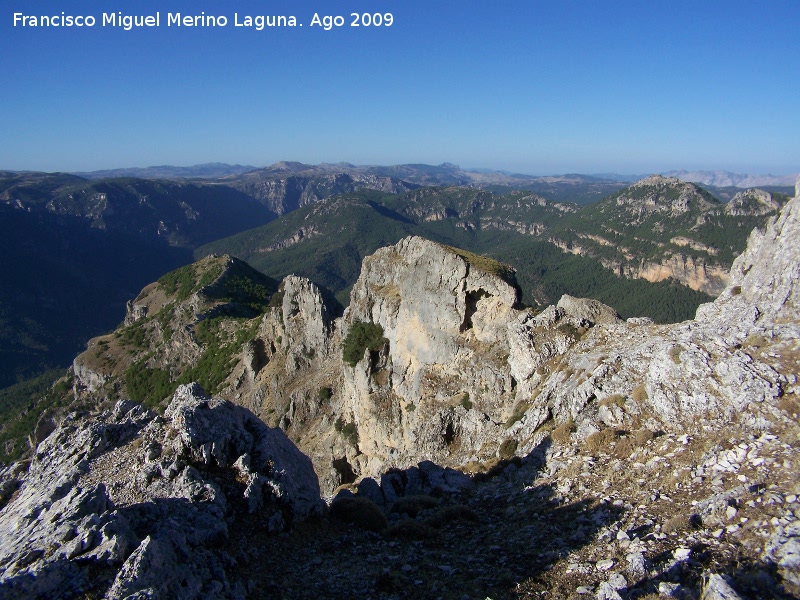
point(528, 86)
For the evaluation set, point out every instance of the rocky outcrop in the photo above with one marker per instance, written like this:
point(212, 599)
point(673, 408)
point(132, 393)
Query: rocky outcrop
point(752, 202)
point(763, 286)
point(148, 501)
point(696, 273)
point(666, 195)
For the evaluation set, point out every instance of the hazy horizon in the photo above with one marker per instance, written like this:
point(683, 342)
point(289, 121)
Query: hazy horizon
point(538, 88)
point(469, 168)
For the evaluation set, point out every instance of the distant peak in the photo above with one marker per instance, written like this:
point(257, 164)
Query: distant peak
point(289, 166)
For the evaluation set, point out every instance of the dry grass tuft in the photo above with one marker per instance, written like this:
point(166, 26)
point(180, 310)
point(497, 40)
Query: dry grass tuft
point(639, 394)
point(675, 354)
point(613, 400)
point(627, 445)
point(789, 406)
point(681, 522)
point(642, 436)
point(562, 433)
point(600, 439)
point(624, 448)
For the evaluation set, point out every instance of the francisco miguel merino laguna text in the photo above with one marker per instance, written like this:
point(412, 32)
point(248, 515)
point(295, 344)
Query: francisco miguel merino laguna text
point(258, 22)
point(128, 22)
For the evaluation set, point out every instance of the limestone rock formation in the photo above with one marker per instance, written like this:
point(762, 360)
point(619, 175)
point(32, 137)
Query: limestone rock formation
point(146, 500)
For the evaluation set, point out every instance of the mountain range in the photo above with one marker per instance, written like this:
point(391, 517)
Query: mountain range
point(444, 174)
point(78, 248)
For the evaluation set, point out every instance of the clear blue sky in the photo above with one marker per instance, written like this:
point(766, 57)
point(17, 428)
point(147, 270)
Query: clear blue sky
point(529, 86)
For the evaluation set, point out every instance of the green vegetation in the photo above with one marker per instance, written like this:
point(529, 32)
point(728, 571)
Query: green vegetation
point(151, 386)
point(465, 401)
point(179, 283)
point(362, 336)
point(414, 504)
point(347, 228)
point(348, 430)
point(569, 330)
point(252, 290)
point(148, 386)
point(22, 405)
point(519, 411)
point(210, 275)
point(133, 335)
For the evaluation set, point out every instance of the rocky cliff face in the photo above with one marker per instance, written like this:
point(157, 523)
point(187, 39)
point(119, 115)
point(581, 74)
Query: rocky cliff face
point(697, 273)
point(282, 193)
point(139, 505)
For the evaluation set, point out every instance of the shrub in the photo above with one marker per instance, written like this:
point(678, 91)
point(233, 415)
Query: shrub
point(465, 401)
point(363, 513)
point(413, 505)
point(324, 393)
point(507, 449)
point(362, 336)
point(562, 433)
point(276, 301)
point(736, 290)
point(569, 330)
point(134, 335)
point(348, 430)
point(519, 412)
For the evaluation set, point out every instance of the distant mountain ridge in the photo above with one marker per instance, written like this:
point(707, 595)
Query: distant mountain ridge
point(443, 174)
point(202, 171)
point(728, 179)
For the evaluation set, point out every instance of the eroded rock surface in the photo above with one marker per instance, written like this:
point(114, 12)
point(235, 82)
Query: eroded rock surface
point(146, 501)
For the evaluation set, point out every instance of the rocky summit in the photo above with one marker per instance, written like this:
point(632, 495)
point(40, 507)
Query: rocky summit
point(437, 440)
